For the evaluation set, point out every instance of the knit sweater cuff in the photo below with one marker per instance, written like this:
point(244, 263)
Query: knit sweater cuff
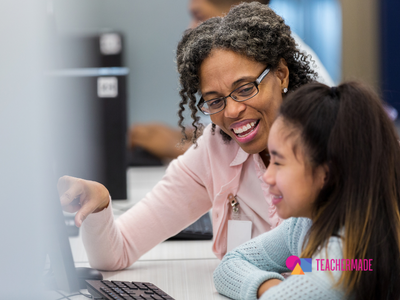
point(253, 281)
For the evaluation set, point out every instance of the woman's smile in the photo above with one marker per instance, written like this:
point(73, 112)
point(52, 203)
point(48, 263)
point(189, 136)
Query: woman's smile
point(246, 130)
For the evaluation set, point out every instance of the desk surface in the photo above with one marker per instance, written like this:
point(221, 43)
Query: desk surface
point(183, 269)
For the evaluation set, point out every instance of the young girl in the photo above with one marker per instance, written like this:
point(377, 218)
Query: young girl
point(335, 168)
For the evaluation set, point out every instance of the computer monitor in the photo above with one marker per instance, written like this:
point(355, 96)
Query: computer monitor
point(61, 273)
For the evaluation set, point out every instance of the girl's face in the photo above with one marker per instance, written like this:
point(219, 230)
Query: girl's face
point(224, 71)
point(293, 182)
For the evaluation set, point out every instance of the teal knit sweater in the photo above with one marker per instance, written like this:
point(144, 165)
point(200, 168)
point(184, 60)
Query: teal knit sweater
point(244, 269)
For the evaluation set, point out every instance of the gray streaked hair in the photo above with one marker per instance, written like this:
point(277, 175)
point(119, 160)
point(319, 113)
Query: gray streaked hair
point(235, 2)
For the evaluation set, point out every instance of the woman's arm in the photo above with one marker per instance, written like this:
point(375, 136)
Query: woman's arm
point(174, 203)
point(183, 195)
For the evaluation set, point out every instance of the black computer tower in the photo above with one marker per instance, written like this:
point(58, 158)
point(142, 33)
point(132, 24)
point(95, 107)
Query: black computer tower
point(88, 85)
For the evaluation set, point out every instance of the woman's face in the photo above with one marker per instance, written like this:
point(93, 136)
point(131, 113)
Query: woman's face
point(293, 183)
point(221, 73)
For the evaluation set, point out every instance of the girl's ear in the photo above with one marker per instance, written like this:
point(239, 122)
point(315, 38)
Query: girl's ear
point(282, 72)
point(321, 175)
point(325, 174)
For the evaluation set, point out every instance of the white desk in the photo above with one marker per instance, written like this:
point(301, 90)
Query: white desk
point(183, 269)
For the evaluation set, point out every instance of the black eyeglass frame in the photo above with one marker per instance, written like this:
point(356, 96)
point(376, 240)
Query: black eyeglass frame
point(256, 83)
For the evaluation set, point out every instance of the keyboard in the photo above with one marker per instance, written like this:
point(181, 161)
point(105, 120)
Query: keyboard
point(121, 290)
point(199, 230)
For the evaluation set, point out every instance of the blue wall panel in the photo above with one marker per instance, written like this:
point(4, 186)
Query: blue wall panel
point(390, 51)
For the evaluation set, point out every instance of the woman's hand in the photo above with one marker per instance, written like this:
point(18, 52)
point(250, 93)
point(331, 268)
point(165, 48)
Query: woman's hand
point(266, 286)
point(82, 196)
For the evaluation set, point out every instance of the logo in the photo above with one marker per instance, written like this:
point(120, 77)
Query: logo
point(344, 264)
point(299, 265)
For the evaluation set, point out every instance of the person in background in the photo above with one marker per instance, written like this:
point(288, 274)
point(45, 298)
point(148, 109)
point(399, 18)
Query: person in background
point(241, 86)
point(335, 173)
point(164, 141)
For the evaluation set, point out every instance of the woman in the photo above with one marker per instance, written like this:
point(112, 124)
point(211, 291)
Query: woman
point(335, 168)
point(250, 56)
point(161, 140)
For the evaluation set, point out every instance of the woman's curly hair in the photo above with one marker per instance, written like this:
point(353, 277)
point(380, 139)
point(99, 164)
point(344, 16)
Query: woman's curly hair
point(250, 29)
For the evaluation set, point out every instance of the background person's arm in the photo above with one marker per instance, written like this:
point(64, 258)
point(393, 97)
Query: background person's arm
point(159, 139)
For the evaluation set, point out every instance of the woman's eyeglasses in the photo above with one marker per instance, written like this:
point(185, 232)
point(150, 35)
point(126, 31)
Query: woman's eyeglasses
point(242, 93)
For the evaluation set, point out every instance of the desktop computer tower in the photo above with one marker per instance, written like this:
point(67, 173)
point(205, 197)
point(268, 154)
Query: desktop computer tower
point(88, 86)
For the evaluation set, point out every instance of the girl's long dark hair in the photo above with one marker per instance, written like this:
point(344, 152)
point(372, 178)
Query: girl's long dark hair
point(347, 128)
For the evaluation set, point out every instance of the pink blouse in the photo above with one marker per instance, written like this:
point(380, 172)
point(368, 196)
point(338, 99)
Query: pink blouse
point(200, 180)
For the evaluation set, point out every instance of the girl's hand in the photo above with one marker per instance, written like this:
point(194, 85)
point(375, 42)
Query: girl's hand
point(266, 285)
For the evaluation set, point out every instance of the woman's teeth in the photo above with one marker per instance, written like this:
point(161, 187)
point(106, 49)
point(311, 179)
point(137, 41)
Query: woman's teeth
point(244, 130)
